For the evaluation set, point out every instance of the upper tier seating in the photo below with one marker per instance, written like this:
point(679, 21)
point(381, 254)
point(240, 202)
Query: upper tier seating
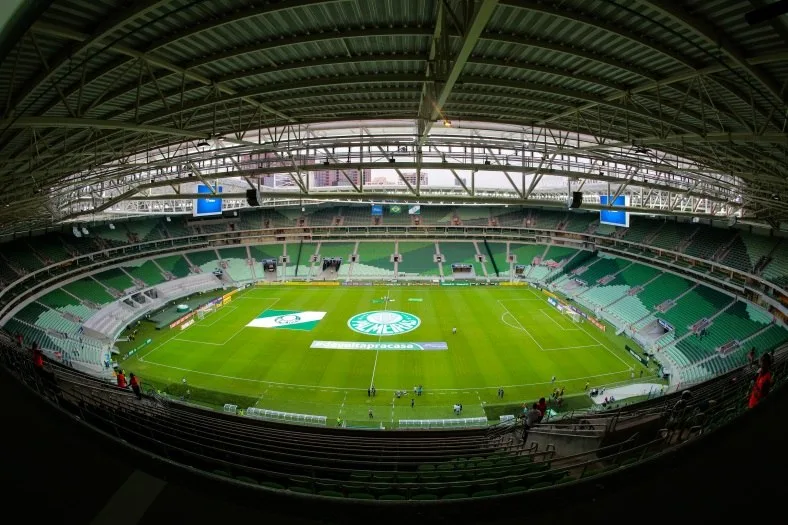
point(499, 253)
point(707, 241)
point(116, 279)
point(701, 302)
point(88, 289)
point(177, 265)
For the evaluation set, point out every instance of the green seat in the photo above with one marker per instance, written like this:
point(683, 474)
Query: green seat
point(484, 493)
point(426, 468)
point(455, 495)
point(360, 476)
point(360, 495)
point(542, 485)
point(247, 479)
point(392, 497)
point(299, 482)
point(425, 497)
point(272, 485)
point(331, 494)
point(300, 490)
point(514, 489)
point(222, 473)
point(407, 477)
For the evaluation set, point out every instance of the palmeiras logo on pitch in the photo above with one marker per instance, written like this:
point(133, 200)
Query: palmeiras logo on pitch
point(293, 320)
point(383, 322)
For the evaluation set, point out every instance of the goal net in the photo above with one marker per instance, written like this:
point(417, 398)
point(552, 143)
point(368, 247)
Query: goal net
point(574, 316)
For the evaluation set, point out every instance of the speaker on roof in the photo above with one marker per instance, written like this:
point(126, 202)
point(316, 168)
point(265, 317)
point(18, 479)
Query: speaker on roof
point(577, 199)
point(253, 197)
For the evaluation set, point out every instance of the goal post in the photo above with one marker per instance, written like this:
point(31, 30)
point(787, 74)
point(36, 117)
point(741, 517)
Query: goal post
point(574, 316)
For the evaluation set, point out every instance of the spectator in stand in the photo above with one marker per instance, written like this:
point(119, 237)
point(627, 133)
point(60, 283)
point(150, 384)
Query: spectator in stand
point(763, 381)
point(121, 380)
point(135, 385)
point(542, 407)
point(38, 358)
point(751, 356)
point(531, 419)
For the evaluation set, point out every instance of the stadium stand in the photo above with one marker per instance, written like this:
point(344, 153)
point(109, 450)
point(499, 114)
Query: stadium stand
point(699, 303)
point(176, 265)
point(708, 241)
point(580, 222)
point(299, 254)
point(146, 271)
point(498, 251)
point(640, 230)
point(417, 259)
point(473, 215)
point(374, 260)
point(776, 270)
point(605, 294)
point(342, 250)
point(459, 252)
point(115, 279)
point(206, 260)
point(237, 264)
point(671, 236)
point(88, 289)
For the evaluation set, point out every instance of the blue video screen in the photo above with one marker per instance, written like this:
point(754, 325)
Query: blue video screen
point(377, 209)
point(209, 206)
point(614, 217)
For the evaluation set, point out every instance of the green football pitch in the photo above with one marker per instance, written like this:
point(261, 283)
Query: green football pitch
point(507, 337)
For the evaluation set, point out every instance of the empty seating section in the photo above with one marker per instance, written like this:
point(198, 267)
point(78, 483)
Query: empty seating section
point(759, 246)
point(115, 279)
point(670, 236)
point(777, 270)
point(176, 227)
point(89, 290)
point(579, 222)
point(474, 215)
point(322, 217)
point(737, 257)
point(147, 272)
point(666, 286)
point(769, 339)
point(603, 267)
point(359, 217)
point(639, 229)
point(342, 250)
point(58, 299)
point(545, 219)
point(23, 259)
point(251, 220)
point(514, 219)
point(633, 275)
point(206, 260)
point(605, 229)
point(499, 253)
point(114, 237)
point(299, 265)
point(525, 253)
point(695, 305)
point(417, 259)
point(374, 259)
point(707, 241)
point(734, 324)
point(237, 262)
point(174, 264)
point(7, 274)
point(266, 251)
point(459, 252)
point(559, 254)
point(436, 215)
point(49, 248)
point(629, 309)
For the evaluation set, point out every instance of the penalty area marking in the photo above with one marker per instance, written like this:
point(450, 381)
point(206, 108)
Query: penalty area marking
point(343, 388)
point(227, 310)
point(503, 319)
point(543, 310)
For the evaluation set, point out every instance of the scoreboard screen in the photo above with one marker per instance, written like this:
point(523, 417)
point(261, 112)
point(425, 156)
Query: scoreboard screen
point(611, 216)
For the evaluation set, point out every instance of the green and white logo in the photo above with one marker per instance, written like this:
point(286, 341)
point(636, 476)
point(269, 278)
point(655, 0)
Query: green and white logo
point(290, 319)
point(383, 322)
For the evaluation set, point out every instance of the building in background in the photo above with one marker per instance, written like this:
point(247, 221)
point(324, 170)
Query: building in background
point(323, 178)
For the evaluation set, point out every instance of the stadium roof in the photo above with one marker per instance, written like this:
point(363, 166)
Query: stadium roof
point(105, 102)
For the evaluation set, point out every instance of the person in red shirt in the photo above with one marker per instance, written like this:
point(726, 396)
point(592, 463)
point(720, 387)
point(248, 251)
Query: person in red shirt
point(541, 406)
point(38, 358)
point(121, 380)
point(763, 381)
point(135, 385)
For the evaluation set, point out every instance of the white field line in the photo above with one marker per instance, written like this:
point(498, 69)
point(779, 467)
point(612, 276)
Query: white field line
point(627, 364)
point(198, 323)
point(343, 388)
point(377, 352)
point(215, 319)
point(520, 325)
point(543, 310)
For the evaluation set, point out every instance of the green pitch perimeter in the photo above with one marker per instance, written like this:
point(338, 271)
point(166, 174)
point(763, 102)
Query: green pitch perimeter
point(506, 337)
